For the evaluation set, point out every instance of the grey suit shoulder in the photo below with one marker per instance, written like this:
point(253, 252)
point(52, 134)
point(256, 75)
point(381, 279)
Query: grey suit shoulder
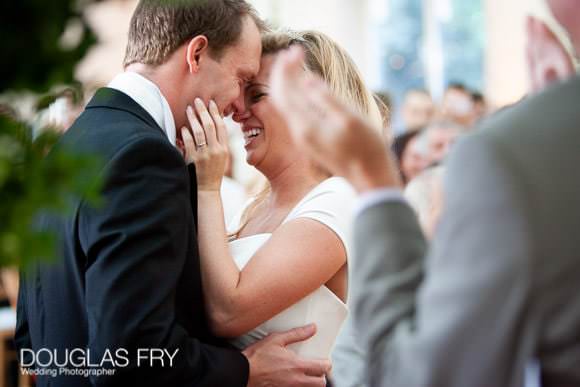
point(498, 286)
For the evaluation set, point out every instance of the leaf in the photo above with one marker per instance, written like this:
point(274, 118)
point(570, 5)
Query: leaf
point(33, 181)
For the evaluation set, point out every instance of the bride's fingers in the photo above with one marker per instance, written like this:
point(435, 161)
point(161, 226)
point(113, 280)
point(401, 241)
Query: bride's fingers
point(302, 114)
point(294, 62)
point(326, 109)
point(221, 132)
point(337, 118)
point(188, 144)
point(329, 102)
point(206, 121)
point(179, 144)
point(290, 91)
point(198, 133)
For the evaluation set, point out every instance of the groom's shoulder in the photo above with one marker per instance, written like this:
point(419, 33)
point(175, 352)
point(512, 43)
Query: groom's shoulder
point(114, 114)
point(111, 123)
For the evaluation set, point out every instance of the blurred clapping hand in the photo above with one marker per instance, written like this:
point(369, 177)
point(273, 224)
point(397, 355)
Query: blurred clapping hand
point(335, 136)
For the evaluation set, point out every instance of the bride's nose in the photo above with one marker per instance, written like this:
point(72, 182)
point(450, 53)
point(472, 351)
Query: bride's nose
point(241, 116)
point(241, 111)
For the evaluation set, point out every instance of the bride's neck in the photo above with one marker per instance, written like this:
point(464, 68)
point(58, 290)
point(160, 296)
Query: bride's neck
point(291, 183)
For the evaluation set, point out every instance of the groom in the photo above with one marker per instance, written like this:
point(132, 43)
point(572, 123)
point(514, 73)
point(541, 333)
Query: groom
point(124, 306)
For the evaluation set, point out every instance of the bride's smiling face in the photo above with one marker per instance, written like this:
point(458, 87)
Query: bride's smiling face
point(268, 141)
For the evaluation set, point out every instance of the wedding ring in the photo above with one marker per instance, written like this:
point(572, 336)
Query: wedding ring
point(201, 145)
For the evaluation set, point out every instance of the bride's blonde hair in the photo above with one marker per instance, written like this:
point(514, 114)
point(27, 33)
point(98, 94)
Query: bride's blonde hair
point(325, 58)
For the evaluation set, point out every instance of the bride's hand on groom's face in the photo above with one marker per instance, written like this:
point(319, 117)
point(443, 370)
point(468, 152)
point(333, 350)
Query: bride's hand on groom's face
point(205, 144)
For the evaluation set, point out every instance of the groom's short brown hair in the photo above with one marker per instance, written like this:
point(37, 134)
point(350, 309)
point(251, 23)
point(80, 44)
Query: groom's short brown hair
point(159, 27)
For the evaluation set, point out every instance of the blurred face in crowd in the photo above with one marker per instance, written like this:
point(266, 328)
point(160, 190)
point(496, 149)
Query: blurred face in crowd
point(413, 162)
point(457, 106)
point(268, 141)
point(418, 110)
point(425, 195)
point(439, 142)
point(480, 108)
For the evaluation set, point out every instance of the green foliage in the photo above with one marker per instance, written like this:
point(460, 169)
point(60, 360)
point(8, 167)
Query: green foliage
point(36, 58)
point(31, 181)
point(34, 55)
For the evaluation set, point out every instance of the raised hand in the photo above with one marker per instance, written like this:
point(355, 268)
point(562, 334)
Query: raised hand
point(333, 134)
point(206, 145)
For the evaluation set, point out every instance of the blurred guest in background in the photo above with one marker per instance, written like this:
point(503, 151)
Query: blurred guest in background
point(457, 105)
point(425, 195)
point(9, 278)
point(412, 160)
point(67, 104)
point(497, 293)
point(66, 108)
point(480, 108)
point(438, 139)
point(7, 111)
point(417, 110)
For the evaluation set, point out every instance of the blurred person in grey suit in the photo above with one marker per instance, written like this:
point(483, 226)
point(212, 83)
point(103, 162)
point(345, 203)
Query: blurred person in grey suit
point(498, 288)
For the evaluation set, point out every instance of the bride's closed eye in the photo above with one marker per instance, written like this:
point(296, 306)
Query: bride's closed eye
point(256, 92)
point(257, 97)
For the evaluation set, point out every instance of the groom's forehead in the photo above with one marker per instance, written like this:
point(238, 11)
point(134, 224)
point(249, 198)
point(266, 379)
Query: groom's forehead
point(248, 50)
point(249, 71)
point(246, 63)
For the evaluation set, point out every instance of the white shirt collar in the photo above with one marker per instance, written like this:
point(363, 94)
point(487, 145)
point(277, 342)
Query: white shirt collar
point(149, 97)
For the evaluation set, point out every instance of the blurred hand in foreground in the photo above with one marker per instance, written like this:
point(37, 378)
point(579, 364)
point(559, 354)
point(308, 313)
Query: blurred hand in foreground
point(335, 136)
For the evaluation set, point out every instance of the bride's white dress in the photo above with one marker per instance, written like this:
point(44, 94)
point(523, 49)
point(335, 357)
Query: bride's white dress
point(328, 203)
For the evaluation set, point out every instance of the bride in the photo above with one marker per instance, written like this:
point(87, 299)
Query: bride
point(285, 264)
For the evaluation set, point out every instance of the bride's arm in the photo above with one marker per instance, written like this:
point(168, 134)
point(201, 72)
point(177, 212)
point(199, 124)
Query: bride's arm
point(301, 255)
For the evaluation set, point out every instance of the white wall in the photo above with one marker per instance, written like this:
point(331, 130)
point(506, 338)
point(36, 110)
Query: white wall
point(349, 22)
point(506, 70)
point(352, 23)
point(110, 21)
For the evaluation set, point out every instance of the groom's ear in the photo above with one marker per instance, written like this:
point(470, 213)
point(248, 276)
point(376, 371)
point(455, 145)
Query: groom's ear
point(195, 50)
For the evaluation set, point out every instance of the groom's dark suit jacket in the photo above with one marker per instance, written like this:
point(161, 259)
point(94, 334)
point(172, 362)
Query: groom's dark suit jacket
point(129, 274)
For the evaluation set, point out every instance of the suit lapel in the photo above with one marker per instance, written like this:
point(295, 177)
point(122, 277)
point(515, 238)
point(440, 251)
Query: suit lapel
point(114, 99)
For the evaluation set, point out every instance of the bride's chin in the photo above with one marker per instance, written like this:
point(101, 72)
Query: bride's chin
point(250, 160)
point(253, 161)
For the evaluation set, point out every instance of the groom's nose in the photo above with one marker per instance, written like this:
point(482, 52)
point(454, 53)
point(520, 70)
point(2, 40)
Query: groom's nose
point(240, 109)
